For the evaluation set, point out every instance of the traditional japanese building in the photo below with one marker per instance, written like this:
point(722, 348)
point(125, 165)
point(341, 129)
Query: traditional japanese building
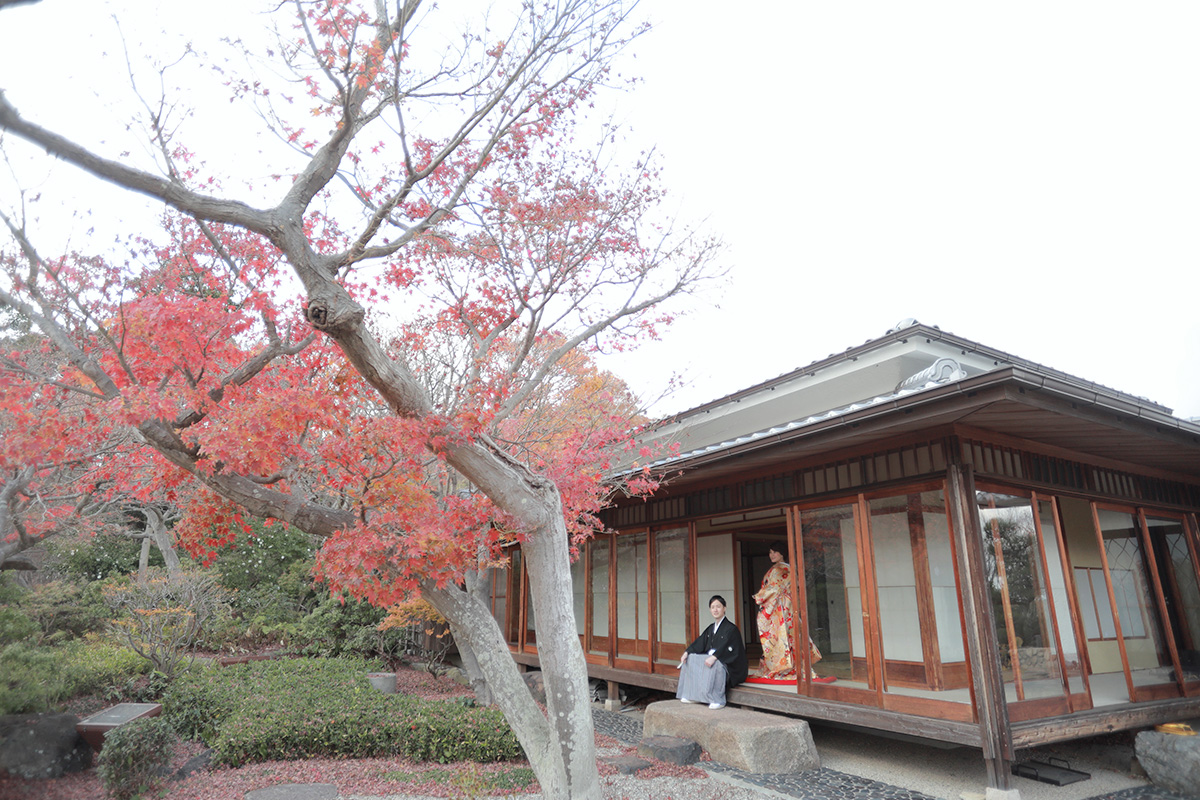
point(985, 550)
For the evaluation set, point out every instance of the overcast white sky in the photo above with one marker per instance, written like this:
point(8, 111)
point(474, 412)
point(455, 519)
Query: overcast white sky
point(1024, 174)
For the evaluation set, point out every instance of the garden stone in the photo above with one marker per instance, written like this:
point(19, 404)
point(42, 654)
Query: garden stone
point(295, 791)
point(749, 740)
point(458, 676)
point(39, 746)
point(1172, 761)
point(627, 765)
point(671, 749)
point(197, 763)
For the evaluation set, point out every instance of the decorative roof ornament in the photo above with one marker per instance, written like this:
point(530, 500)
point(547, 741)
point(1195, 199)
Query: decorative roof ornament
point(944, 370)
point(907, 322)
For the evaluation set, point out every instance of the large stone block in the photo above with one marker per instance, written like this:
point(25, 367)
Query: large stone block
point(749, 740)
point(1172, 761)
point(42, 746)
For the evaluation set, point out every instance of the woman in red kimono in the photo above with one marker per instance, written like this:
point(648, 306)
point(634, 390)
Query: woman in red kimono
point(776, 625)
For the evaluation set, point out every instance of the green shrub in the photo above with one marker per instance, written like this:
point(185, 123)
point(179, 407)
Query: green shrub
point(29, 677)
point(96, 667)
point(15, 626)
point(199, 702)
point(268, 575)
point(261, 557)
point(65, 610)
point(339, 626)
point(161, 618)
point(447, 731)
point(132, 755)
point(104, 555)
point(305, 708)
point(35, 678)
point(268, 614)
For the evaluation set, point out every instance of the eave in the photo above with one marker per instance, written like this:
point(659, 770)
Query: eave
point(1012, 401)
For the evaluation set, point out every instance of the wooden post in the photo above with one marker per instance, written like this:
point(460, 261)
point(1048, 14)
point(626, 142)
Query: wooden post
point(983, 652)
point(613, 701)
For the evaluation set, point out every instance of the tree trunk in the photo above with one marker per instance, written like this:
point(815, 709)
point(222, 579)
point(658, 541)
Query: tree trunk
point(144, 560)
point(156, 529)
point(564, 669)
point(479, 586)
point(479, 684)
point(561, 749)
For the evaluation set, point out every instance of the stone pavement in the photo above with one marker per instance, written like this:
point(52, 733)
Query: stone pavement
point(295, 791)
point(822, 783)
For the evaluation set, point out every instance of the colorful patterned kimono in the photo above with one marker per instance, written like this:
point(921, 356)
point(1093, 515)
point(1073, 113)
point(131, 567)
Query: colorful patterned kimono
point(775, 623)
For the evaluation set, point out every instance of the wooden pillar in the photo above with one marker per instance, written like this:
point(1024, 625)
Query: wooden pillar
point(983, 651)
point(613, 701)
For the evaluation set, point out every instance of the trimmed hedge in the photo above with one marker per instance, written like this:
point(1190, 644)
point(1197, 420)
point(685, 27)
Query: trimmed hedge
point(304, 708)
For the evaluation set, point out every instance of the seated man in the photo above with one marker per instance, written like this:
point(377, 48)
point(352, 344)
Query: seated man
point(714, 662)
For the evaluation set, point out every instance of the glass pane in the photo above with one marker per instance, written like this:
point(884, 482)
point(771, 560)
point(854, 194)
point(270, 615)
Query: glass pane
point(671, 586)
point(919, 620)
point(1136, 611)
point(530, 626)
point(1020, 598)
point(834, 596)
point(498, 577)
point(1059, 595)
point(515, 569)
point(1087, 603)
point(633, 599)
point(1177, 575)
point(579, 589)
point(598, 552)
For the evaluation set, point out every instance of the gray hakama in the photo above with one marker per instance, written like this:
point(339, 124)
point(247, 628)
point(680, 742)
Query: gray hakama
point(701, 683)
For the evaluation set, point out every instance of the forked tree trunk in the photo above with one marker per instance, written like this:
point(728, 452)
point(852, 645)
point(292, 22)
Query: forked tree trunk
point(560, 744)
point(156, 532)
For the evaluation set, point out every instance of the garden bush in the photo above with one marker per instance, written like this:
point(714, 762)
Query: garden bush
point(36, 678)
point(161, 618)
point(65, 610)
point(265, 615)
point(339, 626)
point(16, 626)
point(132, 756)
point(263, 555)
point(307, 708)
point(104, 555)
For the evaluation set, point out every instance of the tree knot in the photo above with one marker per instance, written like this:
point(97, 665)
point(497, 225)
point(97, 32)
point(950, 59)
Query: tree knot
point(333, 316)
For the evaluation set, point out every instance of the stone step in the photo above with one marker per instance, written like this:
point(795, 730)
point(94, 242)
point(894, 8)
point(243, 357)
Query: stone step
point(749, 740)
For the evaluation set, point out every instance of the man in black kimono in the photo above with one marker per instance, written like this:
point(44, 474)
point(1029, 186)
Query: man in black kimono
point(714, 662)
